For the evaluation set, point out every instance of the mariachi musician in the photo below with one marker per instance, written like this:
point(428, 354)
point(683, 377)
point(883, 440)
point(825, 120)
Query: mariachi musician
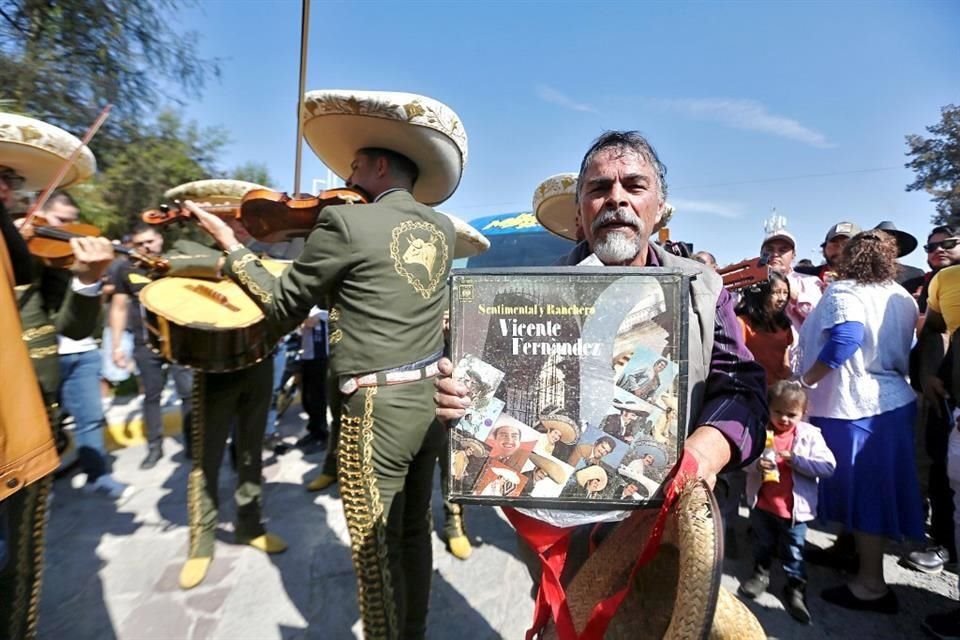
point(384, 267)
point(50, 301)
point(239, 399)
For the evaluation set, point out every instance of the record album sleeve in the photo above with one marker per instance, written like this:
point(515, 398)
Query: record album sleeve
point(578, 383)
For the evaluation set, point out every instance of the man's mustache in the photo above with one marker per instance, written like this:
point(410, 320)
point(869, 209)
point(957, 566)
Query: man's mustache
point(616, 216)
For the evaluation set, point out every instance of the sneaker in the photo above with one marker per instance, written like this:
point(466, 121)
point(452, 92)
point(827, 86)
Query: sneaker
point(930, 560)
point(756, 584)
point(943, 625)
point(110, 486)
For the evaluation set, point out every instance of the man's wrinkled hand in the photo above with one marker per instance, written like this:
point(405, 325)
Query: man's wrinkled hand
point(92, 256)
point(452, 397)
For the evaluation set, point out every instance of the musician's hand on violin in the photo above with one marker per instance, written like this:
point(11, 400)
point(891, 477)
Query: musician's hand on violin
point(217, 228)
point(92, 257)
point(26, 230)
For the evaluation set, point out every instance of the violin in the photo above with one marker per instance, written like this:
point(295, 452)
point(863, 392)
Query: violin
point(51, 244)
point(269, 216)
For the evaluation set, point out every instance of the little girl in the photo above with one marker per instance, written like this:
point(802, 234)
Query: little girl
point(767, 330)
point(781, 509)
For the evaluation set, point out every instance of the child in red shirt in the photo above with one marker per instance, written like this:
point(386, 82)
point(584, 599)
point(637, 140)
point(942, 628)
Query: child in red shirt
point(781, 509)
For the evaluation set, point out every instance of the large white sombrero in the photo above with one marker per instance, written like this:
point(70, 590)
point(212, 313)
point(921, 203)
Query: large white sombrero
point(338, 123)
point(37, 150)
point(555, 205)
point(215, 191)
point(470, 242)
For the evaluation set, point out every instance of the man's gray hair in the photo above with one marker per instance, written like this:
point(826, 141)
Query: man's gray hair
point(626, 141)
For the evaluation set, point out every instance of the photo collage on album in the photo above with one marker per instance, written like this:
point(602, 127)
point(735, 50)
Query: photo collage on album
point(574, 382)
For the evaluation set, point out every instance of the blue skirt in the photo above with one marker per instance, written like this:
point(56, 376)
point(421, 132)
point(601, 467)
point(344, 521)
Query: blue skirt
point(874, 489)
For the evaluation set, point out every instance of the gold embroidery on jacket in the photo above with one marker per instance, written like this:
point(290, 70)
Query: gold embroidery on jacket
point(422, 247)
point(240, 269)
point(38, 332)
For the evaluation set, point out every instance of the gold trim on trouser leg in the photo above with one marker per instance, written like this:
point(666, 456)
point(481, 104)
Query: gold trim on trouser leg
point(367, 523)
point(195, 480)
point(40, 515)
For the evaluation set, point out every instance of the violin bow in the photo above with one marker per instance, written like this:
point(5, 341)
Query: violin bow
point(304, 35)
point(57, 179)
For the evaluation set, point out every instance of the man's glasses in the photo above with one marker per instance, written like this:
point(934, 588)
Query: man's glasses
point(947, 244)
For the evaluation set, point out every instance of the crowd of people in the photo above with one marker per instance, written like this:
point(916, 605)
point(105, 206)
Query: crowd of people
point(801, 400)
point(841, 343)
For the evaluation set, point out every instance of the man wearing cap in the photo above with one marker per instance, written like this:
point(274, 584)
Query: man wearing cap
point(621, 196)
point(832, 247)
point(384, 267)
point(780, 249)
point(50, 302)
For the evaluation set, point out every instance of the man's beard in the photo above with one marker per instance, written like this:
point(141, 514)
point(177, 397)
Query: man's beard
point(615, 246)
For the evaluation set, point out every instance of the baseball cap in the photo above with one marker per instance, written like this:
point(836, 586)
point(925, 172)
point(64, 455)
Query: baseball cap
point(848, 229)
point(780, 234)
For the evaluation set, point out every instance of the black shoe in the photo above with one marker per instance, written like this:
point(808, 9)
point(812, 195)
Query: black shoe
point(843, 597)
point(756, 584)
point(311, 443)
point(795, 600)
point(930, 560)
point(943, 625)
point(841, 555)
point(154, 454)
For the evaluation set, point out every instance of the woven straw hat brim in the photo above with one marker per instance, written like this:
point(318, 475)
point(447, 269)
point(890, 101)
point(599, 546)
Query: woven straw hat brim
point(677, 594)
point(555, 205)
point(37, 150)
point(470, 242)
point(214, 191)
point(338, 123)
point(568, 432)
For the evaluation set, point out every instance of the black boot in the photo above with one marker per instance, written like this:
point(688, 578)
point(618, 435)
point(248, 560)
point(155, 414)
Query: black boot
point(795, 600)
point(154, 454)
point(756, 584)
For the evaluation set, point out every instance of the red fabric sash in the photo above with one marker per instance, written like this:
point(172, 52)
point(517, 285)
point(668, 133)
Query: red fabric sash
point(551, 544)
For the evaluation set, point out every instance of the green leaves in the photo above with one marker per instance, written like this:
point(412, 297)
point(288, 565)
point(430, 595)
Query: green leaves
point(936, 161)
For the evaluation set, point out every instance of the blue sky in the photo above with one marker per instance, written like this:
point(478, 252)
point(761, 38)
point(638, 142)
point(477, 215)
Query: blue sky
point(800, 106)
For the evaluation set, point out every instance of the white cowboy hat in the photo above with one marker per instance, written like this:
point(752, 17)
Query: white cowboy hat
point(215, 191)
point(470, 242)
point(652, 448)
point(555, 205)
point(338, 123)
point(593, 472)
point(37, 150)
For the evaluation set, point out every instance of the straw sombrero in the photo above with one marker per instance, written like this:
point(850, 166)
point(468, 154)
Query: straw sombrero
point(677, 595)
point(37, 150)
point(338, 123)
point(215, 191)
point(555, 205)
point(566, 426)
point(593, 472)
point(551, 466)
point(470, 242)
point(471, 446)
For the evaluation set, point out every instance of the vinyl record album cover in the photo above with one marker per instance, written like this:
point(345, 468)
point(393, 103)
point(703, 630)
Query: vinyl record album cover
point(578, 382)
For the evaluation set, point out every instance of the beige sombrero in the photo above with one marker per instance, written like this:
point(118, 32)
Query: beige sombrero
point(37, 150)
point(566, 426)
point(677, 595)
point(215, 191)
point(593, 472)
point(470, 242)
point(337, 123)
point(551, 466)
point(555, 205)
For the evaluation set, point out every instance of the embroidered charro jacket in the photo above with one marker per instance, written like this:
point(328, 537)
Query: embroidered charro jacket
point(383, 268)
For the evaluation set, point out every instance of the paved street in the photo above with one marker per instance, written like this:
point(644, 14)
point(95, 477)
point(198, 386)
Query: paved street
point(112, 569)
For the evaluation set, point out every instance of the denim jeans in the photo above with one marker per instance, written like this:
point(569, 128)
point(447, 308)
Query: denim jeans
point(279, 364)
point(80, 397)
point(771, 532)
point(152, 376)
